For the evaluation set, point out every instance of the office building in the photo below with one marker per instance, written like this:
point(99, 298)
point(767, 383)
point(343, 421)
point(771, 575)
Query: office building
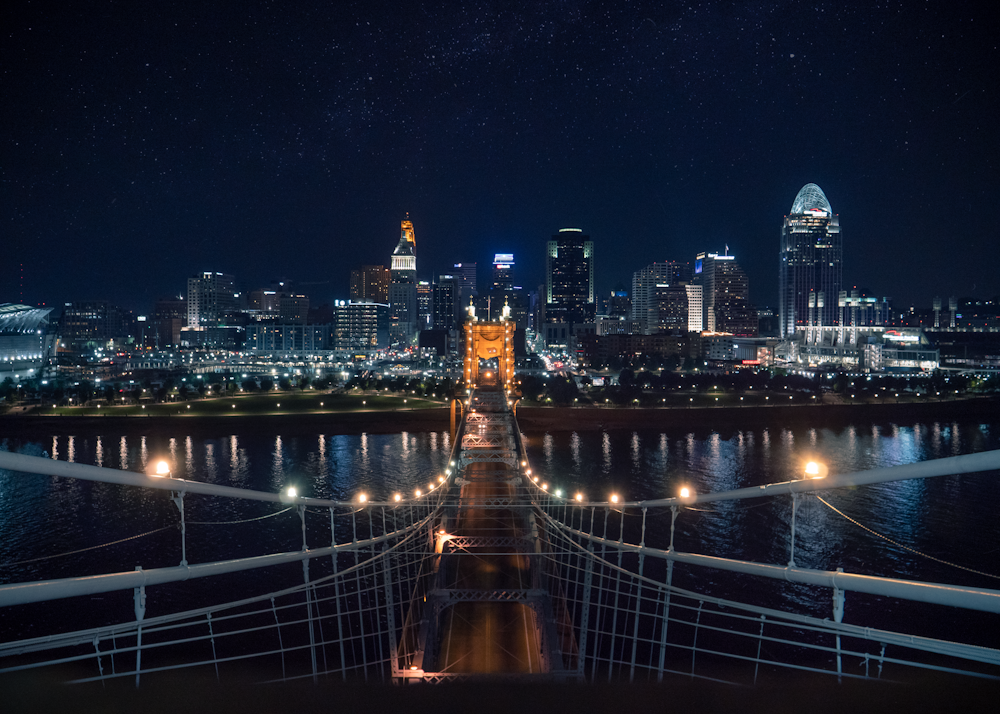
point(569, 278)
point(503, 273)
point(645, 284)
point(810, 263)
point(211, 299)
point(370, 283)
point(403, 288)
point(361, 327)
point(465, 274)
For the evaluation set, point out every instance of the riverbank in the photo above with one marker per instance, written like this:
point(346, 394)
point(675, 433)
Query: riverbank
point(538, 419)
point(530, 418)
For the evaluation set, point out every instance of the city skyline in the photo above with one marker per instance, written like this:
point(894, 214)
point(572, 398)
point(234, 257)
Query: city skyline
point(142, 146)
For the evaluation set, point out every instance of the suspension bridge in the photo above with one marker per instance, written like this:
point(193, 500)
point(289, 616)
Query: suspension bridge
point(488, 572)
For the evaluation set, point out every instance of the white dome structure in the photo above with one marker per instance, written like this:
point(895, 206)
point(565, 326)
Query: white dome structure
point(810, 198)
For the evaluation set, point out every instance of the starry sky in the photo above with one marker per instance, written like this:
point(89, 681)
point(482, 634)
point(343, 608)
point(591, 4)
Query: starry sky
point(143, 142)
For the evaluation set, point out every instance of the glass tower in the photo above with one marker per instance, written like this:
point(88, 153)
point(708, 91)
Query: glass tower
point(810, 270)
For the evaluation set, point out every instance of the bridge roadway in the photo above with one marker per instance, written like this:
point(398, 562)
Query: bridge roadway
point(487, 611)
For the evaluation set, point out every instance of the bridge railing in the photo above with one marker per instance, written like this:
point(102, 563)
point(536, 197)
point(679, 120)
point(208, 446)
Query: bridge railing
point(344, 618)
point(630, 619)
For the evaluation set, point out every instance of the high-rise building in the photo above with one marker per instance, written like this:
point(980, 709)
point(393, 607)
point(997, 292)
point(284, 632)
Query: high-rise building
point(211, 299)
point(446, 306)
point(696, 307)
point(725, 295)
point(503, 273)
point(425, 305)
point(569, 278)
point(810, 270)
point(646, 282)
point(403, 287)
point(370, 283)
point(465, 274)
point(360, 326)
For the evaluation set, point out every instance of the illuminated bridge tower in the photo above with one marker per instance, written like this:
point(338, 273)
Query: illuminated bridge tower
point(810, 270)
point(403, 288)
point(487, 341)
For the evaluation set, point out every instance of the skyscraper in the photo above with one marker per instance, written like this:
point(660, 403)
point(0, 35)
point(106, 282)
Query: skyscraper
point(569, 277)
point(725, 295)
point(810, 263)
point(503, 273)
point(370, 283)
point(646, 283)
point(211, 299)
point(403, 287)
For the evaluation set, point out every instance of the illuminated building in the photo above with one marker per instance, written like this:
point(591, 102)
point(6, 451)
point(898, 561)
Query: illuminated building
point(370, 283)
point(465, 274)
point(211, 299)
point(26, 339)
point(425, 305)
point(648, 286)
point(810, 263)
point(725, 295)
point(403, 287)
point(569, 278)
point(503, 273)
point(446, 305)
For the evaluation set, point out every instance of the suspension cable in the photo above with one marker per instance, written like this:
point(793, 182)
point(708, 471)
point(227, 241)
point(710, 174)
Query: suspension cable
point(84, 550)
point(906, 547)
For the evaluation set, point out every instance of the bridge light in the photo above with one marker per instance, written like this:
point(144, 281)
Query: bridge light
point(559, 492)
point(417, 492)
point(162, 469)
point(397, 498)
point(545, 487)
point(292, 492)
point(441, 479)
point(816, 470)
point(614, 498)
point(685, 492)
point(535, 479)
point(579, 497)
point(362, 498)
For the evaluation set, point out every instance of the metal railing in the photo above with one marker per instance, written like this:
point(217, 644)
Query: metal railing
point(616, 613)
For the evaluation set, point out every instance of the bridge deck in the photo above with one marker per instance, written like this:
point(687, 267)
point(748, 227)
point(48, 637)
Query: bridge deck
point(486, 589)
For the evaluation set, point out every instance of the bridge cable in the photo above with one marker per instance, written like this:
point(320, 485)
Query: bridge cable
point(245, 520)
point(906, 547)
point(84, 550)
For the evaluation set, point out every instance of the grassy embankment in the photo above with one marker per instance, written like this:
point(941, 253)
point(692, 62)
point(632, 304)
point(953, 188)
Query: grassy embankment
point(246, 405)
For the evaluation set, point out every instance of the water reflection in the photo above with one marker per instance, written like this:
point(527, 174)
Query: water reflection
point(942, 516)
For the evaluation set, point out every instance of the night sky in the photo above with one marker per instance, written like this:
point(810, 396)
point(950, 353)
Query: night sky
point(143, 142)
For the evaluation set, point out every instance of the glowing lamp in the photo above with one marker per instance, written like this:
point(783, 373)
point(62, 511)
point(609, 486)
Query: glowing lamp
point(162, 469)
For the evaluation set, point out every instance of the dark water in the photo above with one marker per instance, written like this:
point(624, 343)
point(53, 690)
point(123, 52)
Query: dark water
point(951, 518)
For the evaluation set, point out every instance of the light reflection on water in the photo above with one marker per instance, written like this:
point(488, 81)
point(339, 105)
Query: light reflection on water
point(950, 517)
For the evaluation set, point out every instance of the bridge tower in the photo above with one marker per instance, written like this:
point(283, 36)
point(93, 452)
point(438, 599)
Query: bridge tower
point(489, 340)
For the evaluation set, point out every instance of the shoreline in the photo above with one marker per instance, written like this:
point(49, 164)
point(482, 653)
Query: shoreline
point(530, 418)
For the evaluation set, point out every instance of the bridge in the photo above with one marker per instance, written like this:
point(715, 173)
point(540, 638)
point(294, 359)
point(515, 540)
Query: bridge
point(486, 572)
